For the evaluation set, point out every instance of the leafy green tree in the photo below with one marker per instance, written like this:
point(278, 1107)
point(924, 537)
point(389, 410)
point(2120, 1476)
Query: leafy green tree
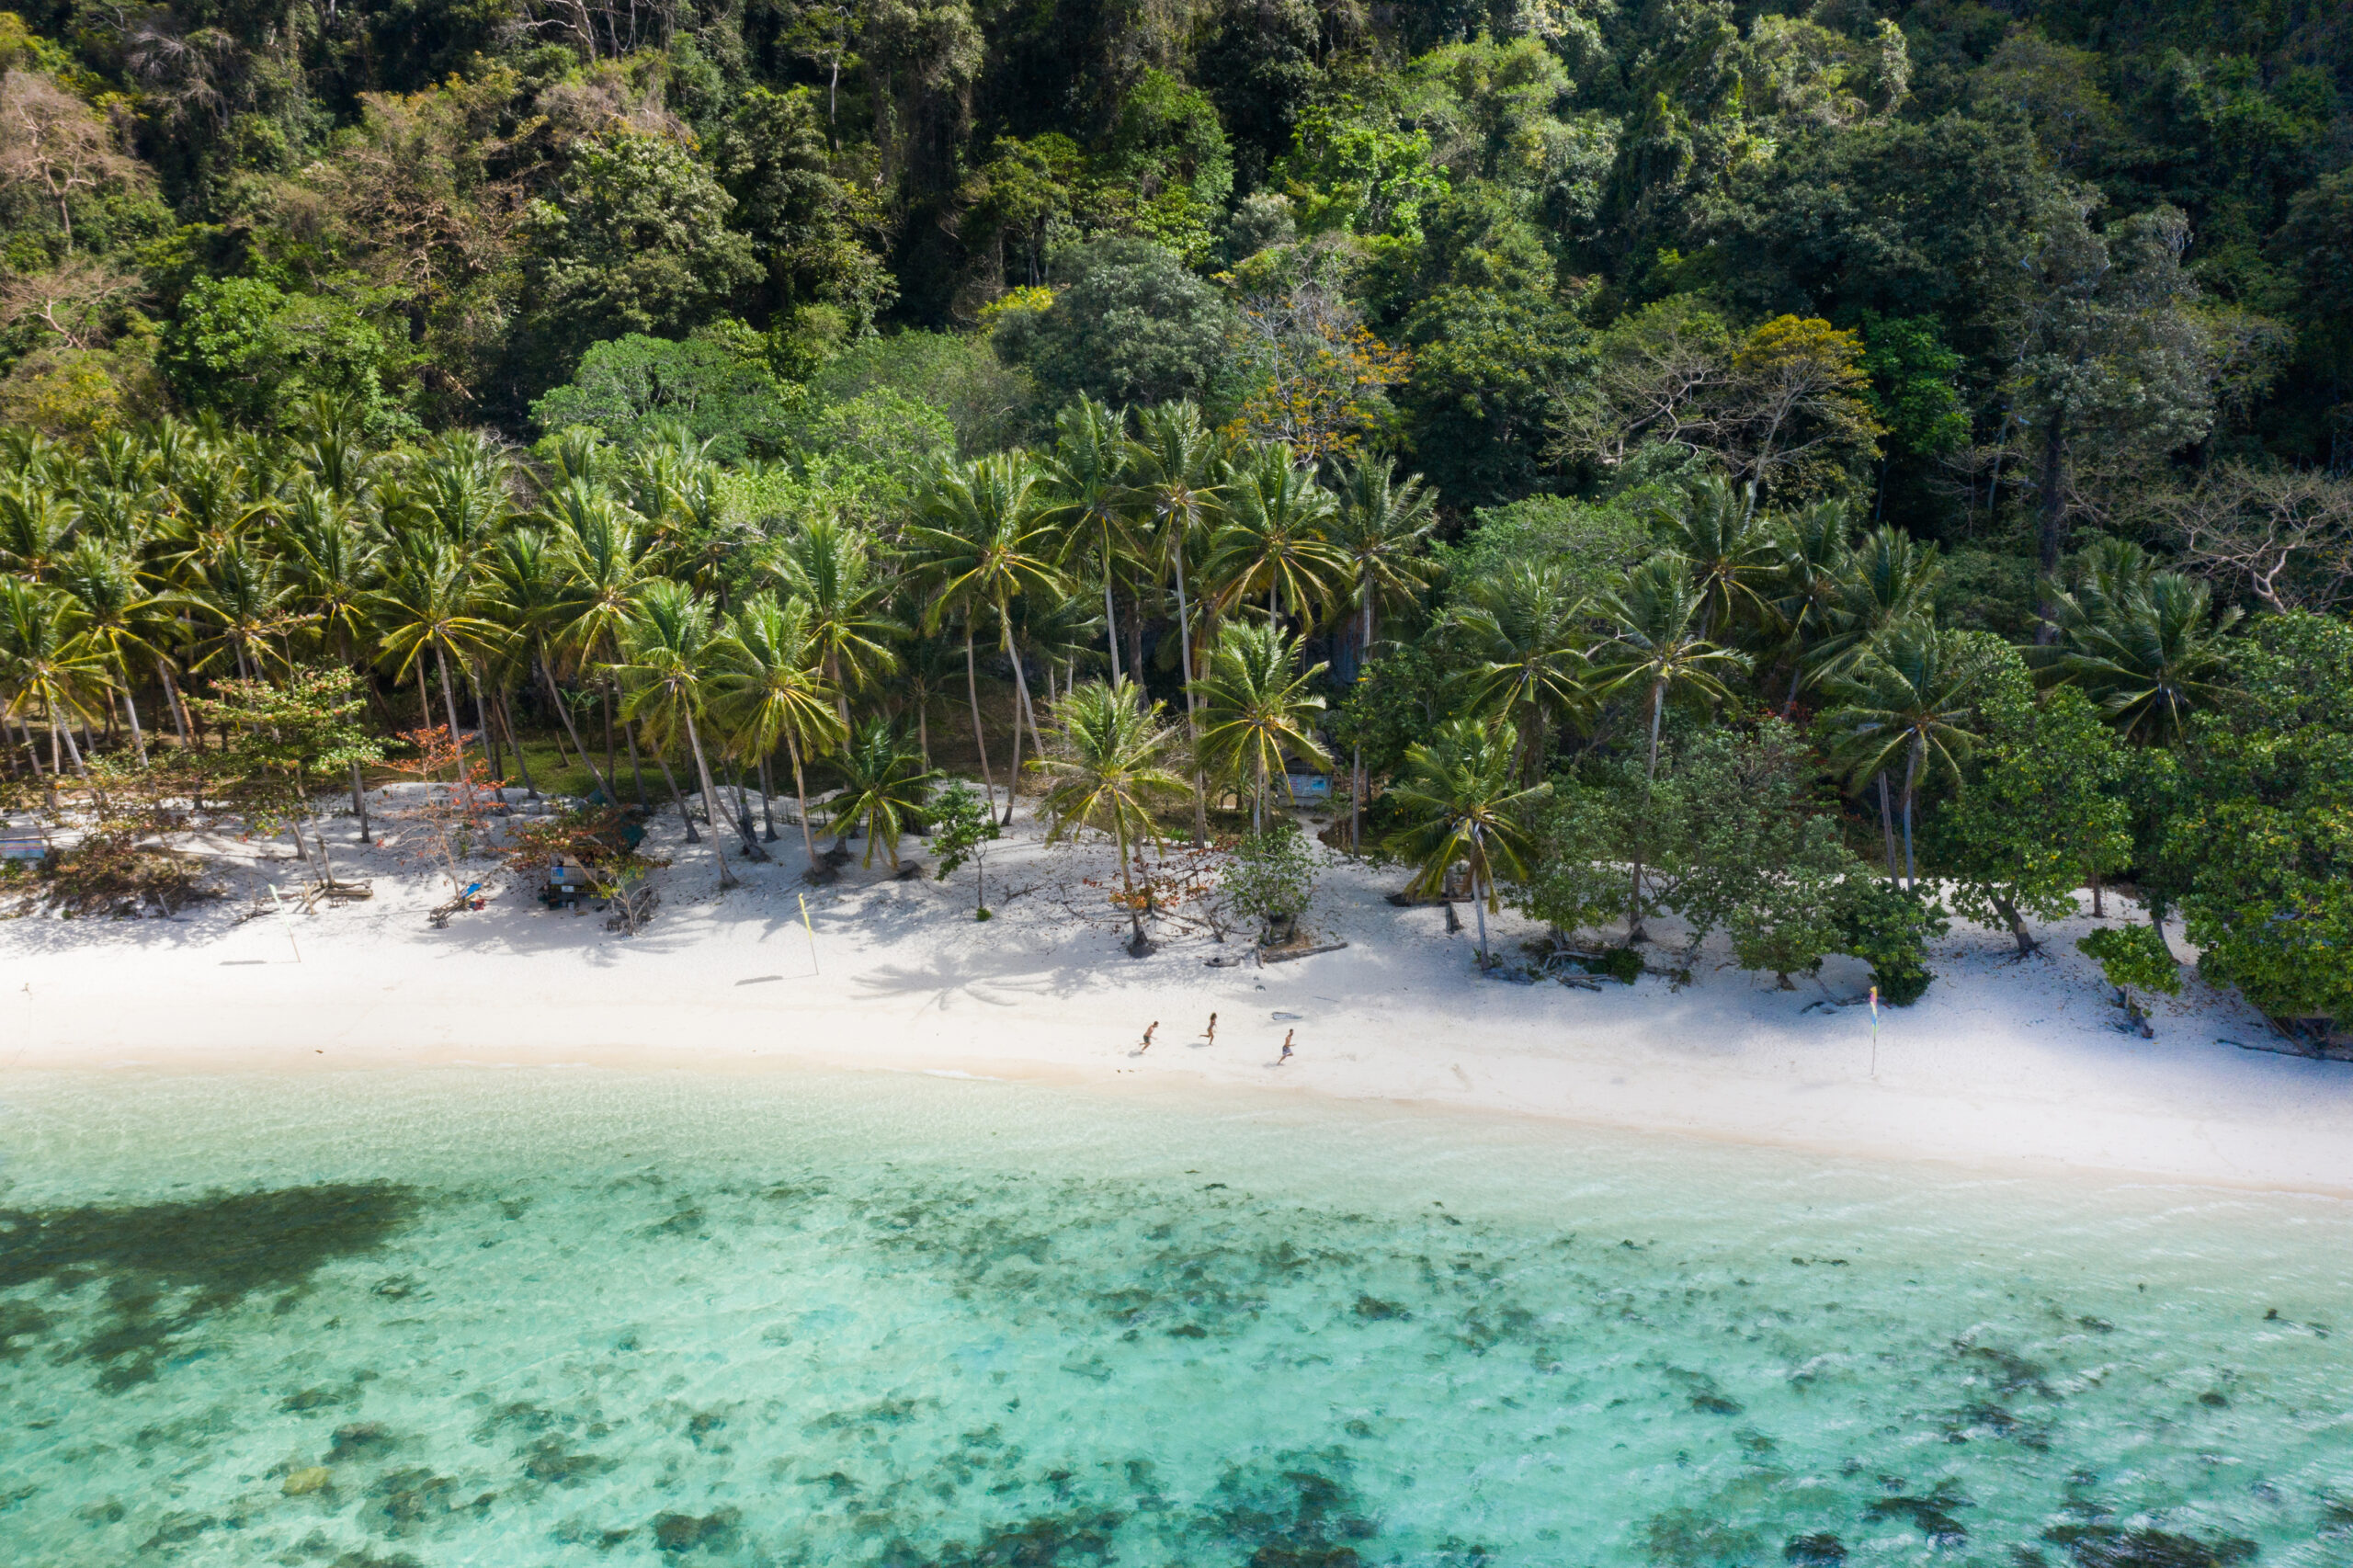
point(670, 655)
point(632, 238)
point(1525, 633)
point(2149, 647)
point(1352, 167)
point(1270, 877)
point(50, 670)
point(2046, 814)
point(1889, 927)
point(1129, 324)
point(627, 386)
point(247, 347)
point(962, 824)
point(815, 233)
point(289, 736)
point(1458, 803)
point(2261, 823)
point(1109, 772)
point(1487, 370)
point(2133, 957)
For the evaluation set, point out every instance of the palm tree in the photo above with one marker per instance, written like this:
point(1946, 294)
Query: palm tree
point(1277, 538)
point(36, 528)
point(2148, 652)
point(1106, 774)
point(433, 603)
point(770, 688)
point(117, 616)
point(1172, 472)
point(601, 557)
point(1525, 627)
point(1889, 581)
point(1658, 648)
point(986, 540)
point(49, 666)
point(1813, 554)
point(1713, 525)
point(829, 566)
point(236, 588)
point(1911, 695)
point(1256, 710)
point(1461, 803)
point(1091, 500)
point(884, 784)
point(1378, 532)
point(669, 656)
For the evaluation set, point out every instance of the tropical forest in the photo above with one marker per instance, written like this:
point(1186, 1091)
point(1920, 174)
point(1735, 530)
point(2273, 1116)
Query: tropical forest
point(1806, 476)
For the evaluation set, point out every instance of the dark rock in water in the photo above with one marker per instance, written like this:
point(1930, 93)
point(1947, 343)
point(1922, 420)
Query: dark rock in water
point(357, 1439)
point(1815, 1552)
point(1716, 1405)
point(1277, 1555)
point(219, 1249)
point(1380, 1311)
point(2104, 1546)
point(689, 1532)
point(177, 1527)
point(1928, 1513)
point(2214, 1399)
point(1189, 1331)
point(413, 1495)
point(551, 1459)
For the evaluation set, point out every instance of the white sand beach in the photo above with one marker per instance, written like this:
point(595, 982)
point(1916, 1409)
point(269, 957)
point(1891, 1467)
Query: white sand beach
point(2016, 1067)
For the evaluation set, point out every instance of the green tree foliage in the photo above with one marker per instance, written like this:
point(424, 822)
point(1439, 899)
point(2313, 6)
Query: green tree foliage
point(2133, 957)
point(632, 238)
point(627, 387)
point(1270, 877)
point(1129, 324)
point(1889, 927)
point(962, 825)
point(2263, 826)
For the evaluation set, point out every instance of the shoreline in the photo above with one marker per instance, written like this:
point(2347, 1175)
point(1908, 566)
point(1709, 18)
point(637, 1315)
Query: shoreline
point(2004, 1068)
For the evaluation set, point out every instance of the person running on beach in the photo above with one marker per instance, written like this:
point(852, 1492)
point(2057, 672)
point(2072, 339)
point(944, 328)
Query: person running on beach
point(1147, 1038)
point(1208, 1034)
point(1286, 1055)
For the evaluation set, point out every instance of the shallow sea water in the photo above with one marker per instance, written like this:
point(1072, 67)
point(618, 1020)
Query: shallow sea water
point(572, 1319)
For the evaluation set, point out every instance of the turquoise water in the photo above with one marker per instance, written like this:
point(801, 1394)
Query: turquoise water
point(556, 1317)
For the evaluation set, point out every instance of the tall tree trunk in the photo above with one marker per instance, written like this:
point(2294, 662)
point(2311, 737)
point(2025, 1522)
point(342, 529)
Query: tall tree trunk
point(564, 712)
point(172, 693)
point(610, 769)
point(2099, 911)
point(752, 850)
point(1634, 932)
point(449, 706)
point(131, 712)
point(678, 795)
point(74, 752)
point(768, 812)
point(2055, 519)
point(522, 765)
point(800, 793)
point(1192, 727)
point(1021, 689)
point(1110, 621)
point(2018, 933)
point(359, 802)
point(636, 770)
point(972, 690)
point(1911, 780)
point(489, 729)
point(1887, 829)
point(709, 805)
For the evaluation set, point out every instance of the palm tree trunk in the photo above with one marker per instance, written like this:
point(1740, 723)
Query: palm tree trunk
point(1128, 887)
point(709, 805)
point(1635, 889)
point(449, 706)
point(767, 813)
point(359, 802)
point(609, 768)
point(972, 690)
point(1911, 778)
point(834, 674)
point(752, 850)
point(1110, 619)
point(1192, 727)
point(131, 712)
point(1021, 687)
point(74, 752)
point(1887, 827)
point(564, 712)
point(636, 771)
point(1479, 907)
point(800, 793)
point(506, 721)
point(172, 691)
point(684, 815)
